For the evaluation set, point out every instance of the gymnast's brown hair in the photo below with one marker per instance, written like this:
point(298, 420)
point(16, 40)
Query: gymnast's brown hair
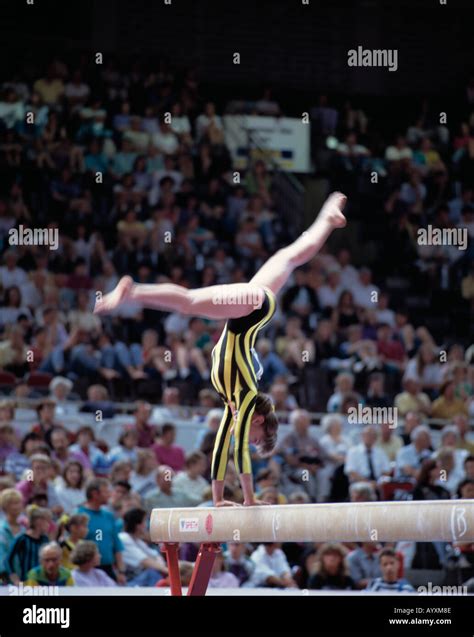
point(265, 407)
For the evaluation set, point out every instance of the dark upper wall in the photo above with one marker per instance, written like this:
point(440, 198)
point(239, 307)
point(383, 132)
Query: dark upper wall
point(281, 42)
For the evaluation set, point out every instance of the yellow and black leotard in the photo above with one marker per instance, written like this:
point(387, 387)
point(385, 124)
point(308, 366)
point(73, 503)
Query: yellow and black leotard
point(235, 373)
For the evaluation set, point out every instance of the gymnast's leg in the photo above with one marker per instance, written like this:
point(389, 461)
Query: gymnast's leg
point(237, 299)
point(277, 270)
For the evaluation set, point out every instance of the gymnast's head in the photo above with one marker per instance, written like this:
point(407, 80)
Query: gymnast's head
point(264, 427)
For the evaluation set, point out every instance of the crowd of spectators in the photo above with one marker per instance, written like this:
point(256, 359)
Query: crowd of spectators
point(131, 169)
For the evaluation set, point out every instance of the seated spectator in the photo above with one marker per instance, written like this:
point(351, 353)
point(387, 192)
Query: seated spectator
point(126, 449)
point(272, 364)
point(220, 576)
point(362, 492)
point(98, 401)
point(49, 572)
point(212, 422)
point(389, 580)
point(469, 467)
point(271, 568)
point(69, 486)
point(366, 461)
point(388, 440)
point(238, 562)
point(7, 441)
point(429, 486)
point(376, 396)
point(39, 482)
point(12, 524)
point(77, 528)
point(86, 558)
point(411, 421)
point(409, 459)
point(143, 478)
point(24, 551)
point(102, 524)
point(166, 451)
point(364, 564)
point(191, 481)
point(165, 495)
point(344, 384)
point(185, 573)
point(144, 566)
point(450, 438)
point(146, 432)
point(462, 424)
point(330, 569)
point(62, 454)
point(447, 405)
point(301, 452)
point(88, 453)
point(306, 569)
point(365, 291)
point(46, 419)
point(282, 399)
point(412, 398)
point(18, 461)
point(425, 368)
point(450, 475)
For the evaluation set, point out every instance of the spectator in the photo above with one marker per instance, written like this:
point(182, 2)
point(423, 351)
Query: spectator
point(389, 580)
point(86, 558)
point(145, 431)
point(366, 461)
point(428, 485)
point(410, 457)
point(39, 482)
point(447, 405)
point(191, 481)
point(69, 486)
point(330, 569)
point(220, 576)
point(301, 454)
point(166, 452)
point(102, 525)
point(77, 527)
point(388, 440)
point(344, 384)
point(271, 568)
point(11, 505)
point(364, 564)
point(143, 477)
point(49, 572)
point(412, 399)
point(165, 495)
point(362, 492)
point(238, 562)
point(144, 565)
point(24, 552)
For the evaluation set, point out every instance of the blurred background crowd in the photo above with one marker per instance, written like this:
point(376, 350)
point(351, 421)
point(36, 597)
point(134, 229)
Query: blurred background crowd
point(103, 419)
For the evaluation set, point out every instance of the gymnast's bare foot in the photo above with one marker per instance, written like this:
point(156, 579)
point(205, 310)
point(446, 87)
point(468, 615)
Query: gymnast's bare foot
point(113, 299)
point(332, 210)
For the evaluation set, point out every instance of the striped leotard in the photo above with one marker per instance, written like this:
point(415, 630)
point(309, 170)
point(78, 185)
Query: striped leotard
point(235, 373)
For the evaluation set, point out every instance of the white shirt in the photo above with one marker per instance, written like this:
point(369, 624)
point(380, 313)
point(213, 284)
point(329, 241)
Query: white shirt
point(409, 456)
point(357, 460)
point(274, 565)
point(194, 489)
point(136, 550)
point(334, 447)
point(203, 122)
point(69, 498)
point(328, 297)
point(363, 295)
point(17, 277)
point(166, 142)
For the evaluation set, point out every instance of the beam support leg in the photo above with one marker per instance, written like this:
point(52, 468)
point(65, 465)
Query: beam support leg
point(203, 568)
point(172, 557)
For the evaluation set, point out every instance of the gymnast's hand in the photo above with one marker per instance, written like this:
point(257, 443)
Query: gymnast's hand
point(226, 503)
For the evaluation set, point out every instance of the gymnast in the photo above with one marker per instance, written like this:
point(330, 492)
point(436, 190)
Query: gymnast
point(248, 414)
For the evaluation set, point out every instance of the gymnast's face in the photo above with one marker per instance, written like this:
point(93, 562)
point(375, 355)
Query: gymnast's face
point(256, 433)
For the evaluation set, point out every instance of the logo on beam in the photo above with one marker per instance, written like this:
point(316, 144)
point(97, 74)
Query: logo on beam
point(189, 525)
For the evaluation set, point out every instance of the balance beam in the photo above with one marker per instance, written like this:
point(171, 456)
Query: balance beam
point(421, 521)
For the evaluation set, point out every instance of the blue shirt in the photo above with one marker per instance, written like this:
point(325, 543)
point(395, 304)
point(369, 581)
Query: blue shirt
point(103, 531)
